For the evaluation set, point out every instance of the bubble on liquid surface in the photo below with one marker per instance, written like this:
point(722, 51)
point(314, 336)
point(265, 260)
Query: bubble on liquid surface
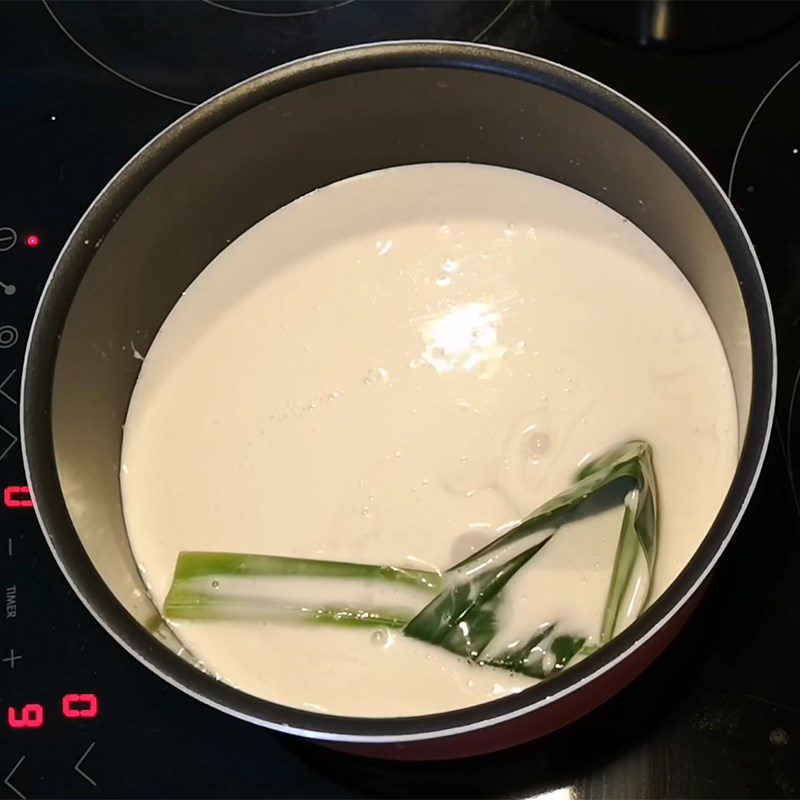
point(376, 375)
point(538, 443)
point(381, 638)
point(450, 265)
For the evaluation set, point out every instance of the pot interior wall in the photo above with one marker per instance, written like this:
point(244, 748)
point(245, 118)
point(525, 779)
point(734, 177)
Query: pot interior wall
point(277, 151)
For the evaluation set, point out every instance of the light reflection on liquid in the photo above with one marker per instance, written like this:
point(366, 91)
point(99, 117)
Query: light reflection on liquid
point(465, 338)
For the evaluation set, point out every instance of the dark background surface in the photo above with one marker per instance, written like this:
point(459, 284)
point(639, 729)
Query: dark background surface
point(83, 86)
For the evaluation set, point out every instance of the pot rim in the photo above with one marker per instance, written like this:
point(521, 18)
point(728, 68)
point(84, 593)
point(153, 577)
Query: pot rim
point(36, 435)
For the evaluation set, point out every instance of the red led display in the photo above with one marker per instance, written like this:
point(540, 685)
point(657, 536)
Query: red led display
point(17, 497)
point(32, 240)
point(31, 716)
point(73, 706)
point(79, 705)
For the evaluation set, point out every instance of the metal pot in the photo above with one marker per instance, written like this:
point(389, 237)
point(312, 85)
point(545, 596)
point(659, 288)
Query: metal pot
point(252, 149)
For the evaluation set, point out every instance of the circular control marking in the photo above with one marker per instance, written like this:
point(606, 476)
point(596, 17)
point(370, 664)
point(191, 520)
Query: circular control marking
point(8, 238)
point(9, 336)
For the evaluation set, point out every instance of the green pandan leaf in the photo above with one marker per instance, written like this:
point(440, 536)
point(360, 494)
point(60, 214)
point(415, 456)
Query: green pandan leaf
point(463, 616)
point(458, 610)
point(254, 587)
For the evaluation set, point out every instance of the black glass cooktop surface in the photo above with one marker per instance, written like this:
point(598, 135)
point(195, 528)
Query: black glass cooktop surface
point(84, 86)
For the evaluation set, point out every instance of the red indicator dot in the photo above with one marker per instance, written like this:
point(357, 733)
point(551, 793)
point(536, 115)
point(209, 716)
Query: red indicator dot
point(32, 240)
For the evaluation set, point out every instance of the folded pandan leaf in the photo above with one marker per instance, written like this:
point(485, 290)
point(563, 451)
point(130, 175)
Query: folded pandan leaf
point(458, 610)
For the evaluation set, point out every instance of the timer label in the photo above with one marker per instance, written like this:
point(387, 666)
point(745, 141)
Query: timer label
point(11, 602)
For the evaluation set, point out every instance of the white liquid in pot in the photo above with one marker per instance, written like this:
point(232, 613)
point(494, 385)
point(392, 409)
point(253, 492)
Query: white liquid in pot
point(393, 370)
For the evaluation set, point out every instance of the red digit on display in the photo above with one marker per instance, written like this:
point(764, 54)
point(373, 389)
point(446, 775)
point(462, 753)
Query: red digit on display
point(17, 497)
point(79, 705)
point(31, 716)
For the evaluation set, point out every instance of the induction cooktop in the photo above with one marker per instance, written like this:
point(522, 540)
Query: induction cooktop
point(84, 86)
